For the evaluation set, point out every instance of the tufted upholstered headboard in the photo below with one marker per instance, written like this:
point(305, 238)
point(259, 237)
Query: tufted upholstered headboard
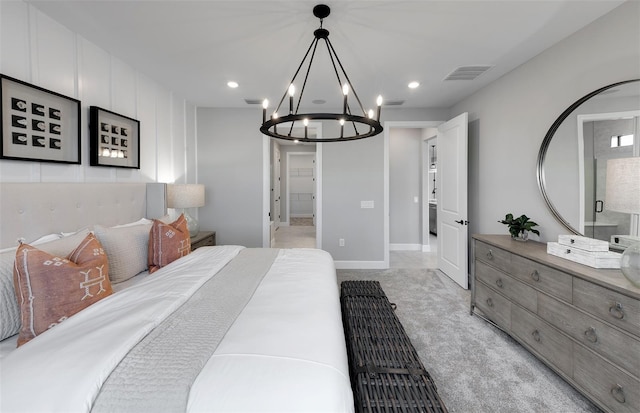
point(30, 210)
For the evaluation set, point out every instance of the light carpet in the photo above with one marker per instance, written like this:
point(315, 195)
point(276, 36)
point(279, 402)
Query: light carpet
point(476, 367)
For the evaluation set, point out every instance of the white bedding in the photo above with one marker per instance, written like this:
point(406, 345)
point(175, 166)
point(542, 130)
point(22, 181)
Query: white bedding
point(285, 352)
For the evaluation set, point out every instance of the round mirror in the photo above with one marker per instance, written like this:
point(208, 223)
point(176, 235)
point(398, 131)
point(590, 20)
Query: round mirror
point(571, 169)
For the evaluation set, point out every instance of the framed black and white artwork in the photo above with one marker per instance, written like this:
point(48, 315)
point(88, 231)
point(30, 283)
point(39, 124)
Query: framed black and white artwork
point(114, 140)
point(38, 124)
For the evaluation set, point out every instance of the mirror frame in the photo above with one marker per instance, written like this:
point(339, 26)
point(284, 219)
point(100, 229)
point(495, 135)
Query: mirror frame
point(545, 146)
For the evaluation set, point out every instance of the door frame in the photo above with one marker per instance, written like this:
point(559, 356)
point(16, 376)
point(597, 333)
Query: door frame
point(266, 185)
point(388, 125)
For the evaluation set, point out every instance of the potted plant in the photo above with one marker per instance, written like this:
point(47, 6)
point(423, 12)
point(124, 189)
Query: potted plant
point(519, 227)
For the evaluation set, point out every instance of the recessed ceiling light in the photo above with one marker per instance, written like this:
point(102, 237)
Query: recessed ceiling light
point(232, 84)
point(413, 85)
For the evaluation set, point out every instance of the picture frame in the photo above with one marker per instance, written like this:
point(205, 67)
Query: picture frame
point(114, 139)
point(37, 124)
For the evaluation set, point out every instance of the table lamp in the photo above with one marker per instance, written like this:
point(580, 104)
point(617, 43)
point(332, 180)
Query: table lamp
point(622, 194)
point(183, 196)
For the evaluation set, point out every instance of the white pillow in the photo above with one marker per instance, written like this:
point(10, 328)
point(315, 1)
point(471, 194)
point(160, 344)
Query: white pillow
point(127, 249)
point(44, 238)
point(141, 221)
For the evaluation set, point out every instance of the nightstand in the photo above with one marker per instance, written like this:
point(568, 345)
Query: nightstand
point(203, 239)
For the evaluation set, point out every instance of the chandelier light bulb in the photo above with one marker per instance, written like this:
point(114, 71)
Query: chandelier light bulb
point(292, 91)
point(265, 105)
point(306, 122)
point(341, 122)
point(370, 113)
point(345, 89)
point(379, 100)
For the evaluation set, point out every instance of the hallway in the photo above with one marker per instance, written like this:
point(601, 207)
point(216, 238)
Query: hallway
point(295, 236)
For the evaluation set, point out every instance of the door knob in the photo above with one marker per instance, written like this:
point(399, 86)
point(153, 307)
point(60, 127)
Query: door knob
point(461, 222)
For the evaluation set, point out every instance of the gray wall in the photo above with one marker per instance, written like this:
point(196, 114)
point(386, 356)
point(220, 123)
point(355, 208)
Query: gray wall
point(405, 184)
point(509, 118)
point(230, 167)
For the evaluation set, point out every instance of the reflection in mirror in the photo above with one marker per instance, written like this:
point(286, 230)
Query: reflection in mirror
point(572, 161)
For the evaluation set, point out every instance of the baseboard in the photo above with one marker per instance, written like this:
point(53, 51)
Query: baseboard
point(360, 265)
point(429, 248)
point(405, 247)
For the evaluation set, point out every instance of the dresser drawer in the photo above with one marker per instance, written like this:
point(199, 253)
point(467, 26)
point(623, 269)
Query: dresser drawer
point(546, 340)
point(547, 279)
point(613, 307)
point(613, 387)
point(493, 305)
point(495, 256)
point(510, 287)
point(618, 347)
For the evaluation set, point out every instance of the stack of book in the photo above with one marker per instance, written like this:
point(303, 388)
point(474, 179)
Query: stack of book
point(588, 251)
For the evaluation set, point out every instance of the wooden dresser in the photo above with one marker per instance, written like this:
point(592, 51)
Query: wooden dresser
point(582, 322)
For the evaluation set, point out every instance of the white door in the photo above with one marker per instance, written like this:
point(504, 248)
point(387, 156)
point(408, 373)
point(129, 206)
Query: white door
point(313, 194)
point(276, 187)
point(452, 199)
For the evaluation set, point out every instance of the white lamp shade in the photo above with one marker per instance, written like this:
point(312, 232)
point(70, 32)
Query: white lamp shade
point(185, 195)
point(623, 185)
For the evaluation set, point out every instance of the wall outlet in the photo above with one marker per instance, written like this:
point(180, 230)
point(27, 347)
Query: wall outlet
point(341, 242)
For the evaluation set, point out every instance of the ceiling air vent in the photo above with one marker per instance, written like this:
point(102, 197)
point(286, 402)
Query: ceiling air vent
point(467, 72)
point(393, 102)
point(253, 101)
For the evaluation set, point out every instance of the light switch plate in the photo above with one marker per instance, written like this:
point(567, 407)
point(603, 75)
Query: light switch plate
point(366, 204)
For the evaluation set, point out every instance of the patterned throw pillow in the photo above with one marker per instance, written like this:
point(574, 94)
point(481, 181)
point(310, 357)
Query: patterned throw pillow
point(51, 289)
point(168, 242)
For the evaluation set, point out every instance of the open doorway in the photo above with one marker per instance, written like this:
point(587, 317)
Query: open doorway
point(292, 192)
point(406, 187)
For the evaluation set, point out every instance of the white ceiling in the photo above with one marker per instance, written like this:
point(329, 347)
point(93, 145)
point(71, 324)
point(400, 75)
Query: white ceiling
point(194, 47)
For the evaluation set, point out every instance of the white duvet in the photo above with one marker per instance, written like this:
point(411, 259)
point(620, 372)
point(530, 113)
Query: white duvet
point(285, 351)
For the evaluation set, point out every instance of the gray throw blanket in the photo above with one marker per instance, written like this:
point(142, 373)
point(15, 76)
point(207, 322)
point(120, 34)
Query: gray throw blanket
point(157, 374)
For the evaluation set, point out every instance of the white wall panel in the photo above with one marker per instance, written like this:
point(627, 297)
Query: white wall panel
point(163, 136)
point(147, 117)
point(14, 39)
point(191, 142)
point(178, 138)
point(123, 88)
point(54, 65)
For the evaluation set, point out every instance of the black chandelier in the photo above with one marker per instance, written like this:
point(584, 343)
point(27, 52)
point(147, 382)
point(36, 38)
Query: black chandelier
point(352, 126)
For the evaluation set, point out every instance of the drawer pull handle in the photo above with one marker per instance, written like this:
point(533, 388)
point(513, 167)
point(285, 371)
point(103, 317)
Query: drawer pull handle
point(489, 302)
point(536, 335)
point(591, 335)
point(616, 311)
point(499, 282)
point(618, 393)
point(490, 255)
point(535, 275)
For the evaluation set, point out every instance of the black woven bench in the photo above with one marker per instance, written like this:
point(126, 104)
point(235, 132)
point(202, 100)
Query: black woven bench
point(386, 372)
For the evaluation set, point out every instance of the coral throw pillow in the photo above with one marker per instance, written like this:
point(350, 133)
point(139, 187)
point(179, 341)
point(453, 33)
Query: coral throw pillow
point(168, 242)
point(51, 289)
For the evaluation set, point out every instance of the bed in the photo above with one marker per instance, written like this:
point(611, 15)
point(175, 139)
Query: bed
point(223, 328)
